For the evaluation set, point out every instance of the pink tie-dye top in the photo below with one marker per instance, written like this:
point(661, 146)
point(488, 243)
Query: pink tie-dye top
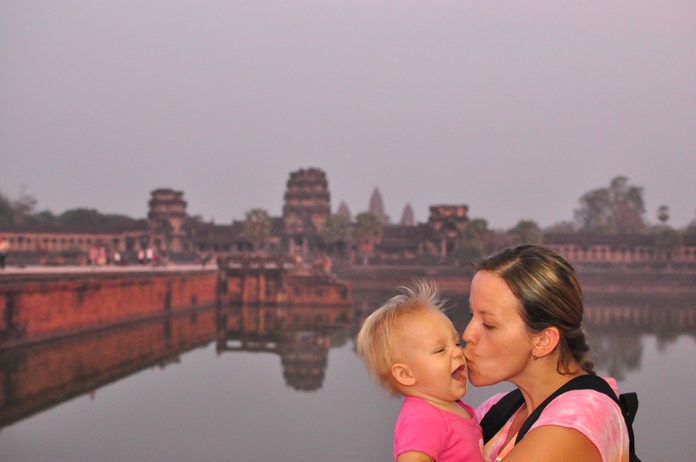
point(590, 412)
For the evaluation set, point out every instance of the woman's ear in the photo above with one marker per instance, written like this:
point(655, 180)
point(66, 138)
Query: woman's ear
point(402, 374)
point(546, 342)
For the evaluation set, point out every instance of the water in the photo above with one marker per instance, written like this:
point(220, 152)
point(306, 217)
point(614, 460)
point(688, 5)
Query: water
point(234, 384)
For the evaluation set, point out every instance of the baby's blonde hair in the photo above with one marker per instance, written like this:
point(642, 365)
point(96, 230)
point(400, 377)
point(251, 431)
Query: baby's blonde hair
point(375, 340)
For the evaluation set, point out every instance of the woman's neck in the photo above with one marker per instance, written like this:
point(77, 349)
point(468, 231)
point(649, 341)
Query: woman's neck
point(541, 382)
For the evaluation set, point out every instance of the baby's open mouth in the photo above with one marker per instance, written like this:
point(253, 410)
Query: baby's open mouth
point(460, 373)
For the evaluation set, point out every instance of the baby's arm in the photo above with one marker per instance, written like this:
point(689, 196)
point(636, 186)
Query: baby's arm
point(414, 456)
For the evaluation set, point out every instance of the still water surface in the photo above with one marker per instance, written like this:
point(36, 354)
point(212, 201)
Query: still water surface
point(250, 384)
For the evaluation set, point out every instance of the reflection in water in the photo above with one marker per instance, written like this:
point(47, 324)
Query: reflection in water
point(616, 326)
point(301, 336)
point(35, 378)
point(38, 377)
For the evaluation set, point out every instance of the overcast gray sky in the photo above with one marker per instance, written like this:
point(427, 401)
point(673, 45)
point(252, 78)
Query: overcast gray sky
point(515, 108)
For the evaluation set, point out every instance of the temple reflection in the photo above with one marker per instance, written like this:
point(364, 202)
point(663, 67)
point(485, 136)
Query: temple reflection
point(616, 326)
point(300, 335)
point(37, 377)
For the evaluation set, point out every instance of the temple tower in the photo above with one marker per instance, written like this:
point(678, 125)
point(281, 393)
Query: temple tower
point(377, 207)
point(165, 219)
point(408, 218)
point(307, 202)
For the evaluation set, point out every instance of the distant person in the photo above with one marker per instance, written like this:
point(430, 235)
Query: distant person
point(102, 256)
point(411, 348)
point(149, 255)
point(93, 255)
point(205, 258)
point(4, 249)
point(526, 328)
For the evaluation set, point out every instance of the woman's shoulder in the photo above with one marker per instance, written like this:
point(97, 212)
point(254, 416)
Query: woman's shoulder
point(586, 401)
point(574, 405)
point(593, 414)
point(582, 402)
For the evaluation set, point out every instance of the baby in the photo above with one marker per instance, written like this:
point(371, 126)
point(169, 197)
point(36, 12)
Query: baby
point(412, 348)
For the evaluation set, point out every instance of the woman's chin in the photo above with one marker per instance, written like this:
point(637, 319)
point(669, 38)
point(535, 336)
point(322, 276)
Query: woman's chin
point(477, 381)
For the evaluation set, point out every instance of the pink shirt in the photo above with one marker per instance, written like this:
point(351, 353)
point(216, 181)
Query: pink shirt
point(442, 435)
point(592, 413)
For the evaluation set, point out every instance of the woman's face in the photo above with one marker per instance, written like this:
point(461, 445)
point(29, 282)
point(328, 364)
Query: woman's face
point(498, 344)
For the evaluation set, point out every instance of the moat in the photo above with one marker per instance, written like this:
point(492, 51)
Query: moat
point(232, 382)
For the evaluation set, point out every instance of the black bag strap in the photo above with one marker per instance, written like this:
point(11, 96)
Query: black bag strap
point(501, 412)
point(629, 407)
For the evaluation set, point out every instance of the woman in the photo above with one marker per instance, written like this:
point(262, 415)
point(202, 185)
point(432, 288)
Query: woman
point(526, 328)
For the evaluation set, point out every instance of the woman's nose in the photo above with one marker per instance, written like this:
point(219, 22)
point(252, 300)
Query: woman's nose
point(467, 335)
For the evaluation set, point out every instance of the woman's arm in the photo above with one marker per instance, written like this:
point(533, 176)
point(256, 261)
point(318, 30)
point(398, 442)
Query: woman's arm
point(553, 443)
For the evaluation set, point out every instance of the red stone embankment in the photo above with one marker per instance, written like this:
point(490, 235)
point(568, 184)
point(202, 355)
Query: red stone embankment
point(34, 306)
point(43, 303)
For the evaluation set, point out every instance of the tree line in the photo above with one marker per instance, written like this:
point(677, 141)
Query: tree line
point(21, 213)
point(615, 209)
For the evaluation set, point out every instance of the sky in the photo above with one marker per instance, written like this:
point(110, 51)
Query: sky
point(514, 108)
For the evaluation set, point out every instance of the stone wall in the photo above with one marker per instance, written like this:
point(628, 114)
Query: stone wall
point(34, 307)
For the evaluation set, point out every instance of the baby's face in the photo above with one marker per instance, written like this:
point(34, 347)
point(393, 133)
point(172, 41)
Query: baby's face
point(430, 345)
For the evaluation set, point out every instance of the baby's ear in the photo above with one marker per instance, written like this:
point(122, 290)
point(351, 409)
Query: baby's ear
point(403, 375)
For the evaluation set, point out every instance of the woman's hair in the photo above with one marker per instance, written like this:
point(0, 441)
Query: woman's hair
point(375, 341)
point(548, 290)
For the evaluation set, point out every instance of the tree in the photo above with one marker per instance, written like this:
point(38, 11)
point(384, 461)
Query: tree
point(16, 212)
point(472, 245)
point(690, 230)
point(337, 228)
point(23, 207)
point(526, 232)
point(367, 232)
point(257, 227)
point(666, 240)
point(85, 218)
point(78, 217)
point(6, 211)
point(337, 231)
point(617, 209)
point(44, 217)
point(663, 214)
point(562, 227)
point(477, 230)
